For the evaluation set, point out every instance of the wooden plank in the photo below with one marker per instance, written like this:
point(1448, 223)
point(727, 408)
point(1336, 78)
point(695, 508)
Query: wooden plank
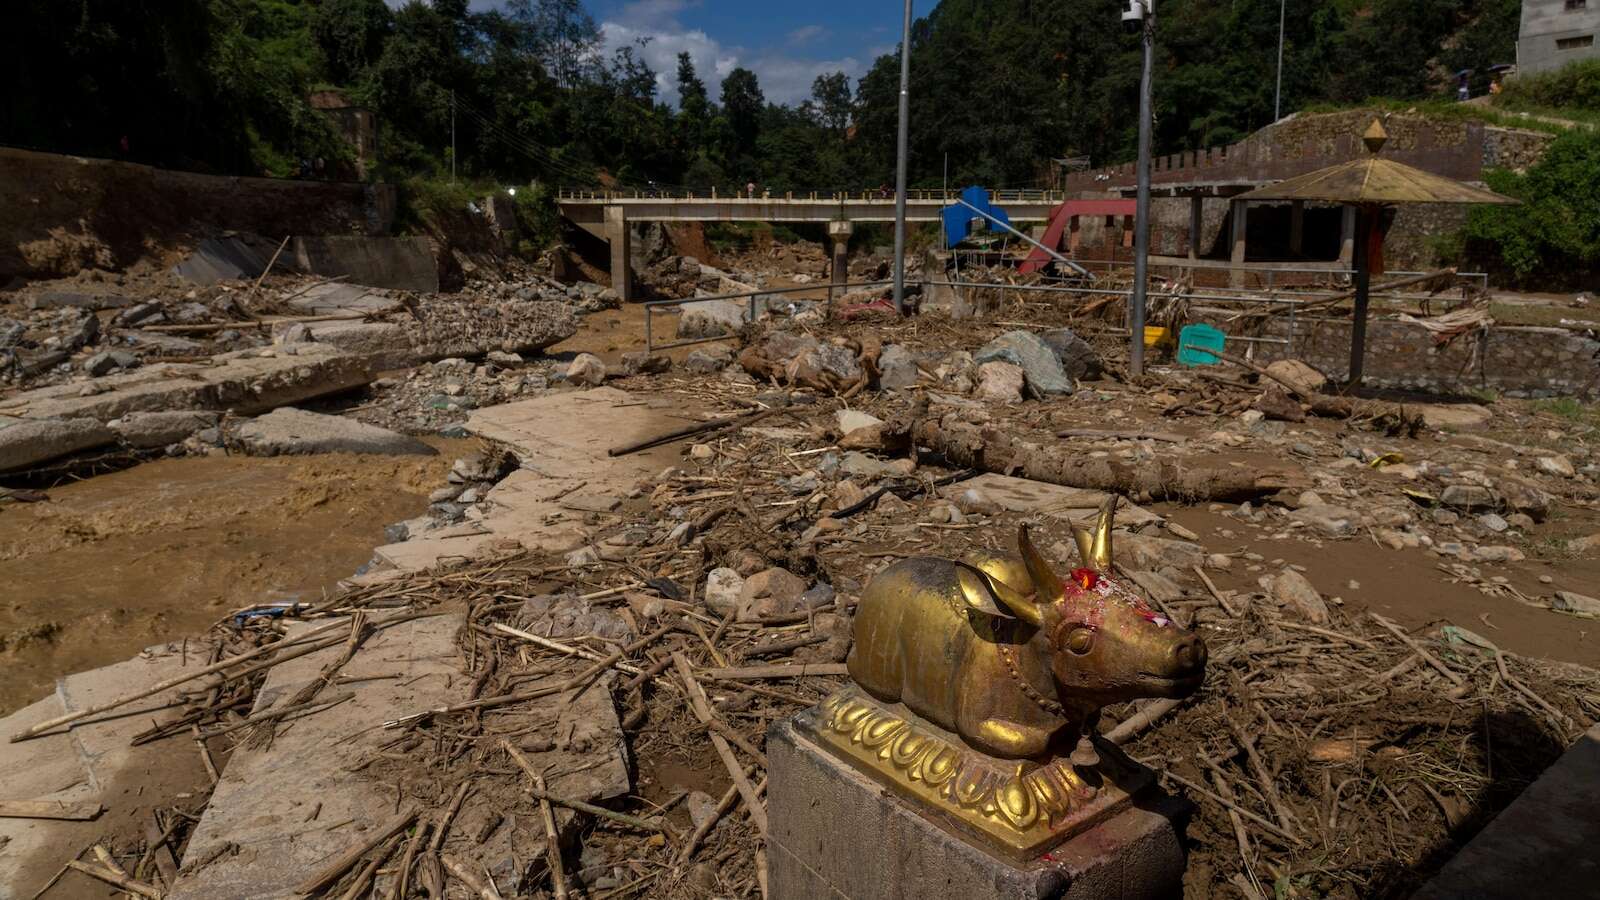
point(702, 711)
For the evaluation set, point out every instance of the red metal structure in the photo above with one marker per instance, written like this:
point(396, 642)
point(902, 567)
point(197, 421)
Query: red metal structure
point(1062, 215)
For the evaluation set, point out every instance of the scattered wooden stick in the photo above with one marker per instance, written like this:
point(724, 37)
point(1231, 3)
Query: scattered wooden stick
point(109, 861)
point(1148, 714)
point(678, 434)
point(1217, 595)
point(579, 805)
point(335, 868)
point(41, 727)
point(1269, 788)
point(431, 875)
point(702, 711)
point(400, 887)
point(1349, 639)
point(559, 647)
point(465, 876)
point(552, 837)
point(50, 809)
point(257, 286)
point(1204, 792)
point(121, 881)
point(1427, 657)
point(1505, 675)
point(363, 880)
point(1239, 832)
point(274, 714)
point(761, 673)
point(729, 798)
point(205, 754)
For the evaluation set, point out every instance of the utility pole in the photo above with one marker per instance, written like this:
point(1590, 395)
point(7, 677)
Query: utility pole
point(1277, 95)
point(900, 168)
point(452, 136)
point(1143, 13)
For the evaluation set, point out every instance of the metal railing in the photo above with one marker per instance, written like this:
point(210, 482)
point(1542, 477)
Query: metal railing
point(944, 197)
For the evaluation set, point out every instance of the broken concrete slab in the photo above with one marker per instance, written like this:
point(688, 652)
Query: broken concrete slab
point(1542, 844)
point(145, 430)
point(247, 382)
point(331, 299)
point(264, 802)
point(528, 508)
point(28, 442)
point(1452, 416)
point(712, 318)
point(404, 263)
point(446, 328)
point(91, 761)
point(224, 259)
point(385, 344)
point(287, 431)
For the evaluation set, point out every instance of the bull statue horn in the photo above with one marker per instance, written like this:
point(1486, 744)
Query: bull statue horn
point(1045, 582)
point(1095, 546)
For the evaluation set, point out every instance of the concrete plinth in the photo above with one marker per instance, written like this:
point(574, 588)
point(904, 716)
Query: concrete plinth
point(837, 834)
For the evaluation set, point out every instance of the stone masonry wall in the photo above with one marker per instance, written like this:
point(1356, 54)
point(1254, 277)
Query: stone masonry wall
point(1511, 361)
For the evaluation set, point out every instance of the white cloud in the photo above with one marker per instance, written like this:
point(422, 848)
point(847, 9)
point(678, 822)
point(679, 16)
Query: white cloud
point(784, 77)
point(806, 33)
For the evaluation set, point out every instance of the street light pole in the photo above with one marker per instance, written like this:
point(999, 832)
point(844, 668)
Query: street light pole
point(1141, 227)
point(1277, 95)
point(900, 167)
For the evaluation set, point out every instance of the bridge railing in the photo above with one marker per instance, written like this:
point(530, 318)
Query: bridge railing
point(871, 195)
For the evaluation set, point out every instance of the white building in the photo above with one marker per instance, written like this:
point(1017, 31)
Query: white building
point(1556, 32)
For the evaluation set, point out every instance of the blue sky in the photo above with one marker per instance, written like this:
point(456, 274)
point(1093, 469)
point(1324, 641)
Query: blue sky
point(786, 45)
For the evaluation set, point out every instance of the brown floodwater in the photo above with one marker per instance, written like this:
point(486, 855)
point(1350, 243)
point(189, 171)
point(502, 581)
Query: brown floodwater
point(118, 562)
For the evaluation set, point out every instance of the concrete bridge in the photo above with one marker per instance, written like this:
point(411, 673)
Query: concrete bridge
point(606, 214)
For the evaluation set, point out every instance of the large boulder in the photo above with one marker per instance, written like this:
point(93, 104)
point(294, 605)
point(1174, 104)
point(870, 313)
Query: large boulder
point(290, 431)
point(1078, 358)
point(1040, 366)
point(712, 318)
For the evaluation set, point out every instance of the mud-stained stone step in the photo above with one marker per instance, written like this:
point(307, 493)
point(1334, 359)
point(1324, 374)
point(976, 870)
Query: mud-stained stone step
point(280, 812)
point(91, 761)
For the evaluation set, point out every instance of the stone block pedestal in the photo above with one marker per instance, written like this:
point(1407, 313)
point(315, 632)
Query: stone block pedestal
point(837, 834)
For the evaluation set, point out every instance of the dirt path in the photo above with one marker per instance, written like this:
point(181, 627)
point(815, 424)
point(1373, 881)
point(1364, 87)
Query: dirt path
point(115, 563)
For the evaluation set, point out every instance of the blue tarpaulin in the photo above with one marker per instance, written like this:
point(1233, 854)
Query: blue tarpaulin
point(958, 218)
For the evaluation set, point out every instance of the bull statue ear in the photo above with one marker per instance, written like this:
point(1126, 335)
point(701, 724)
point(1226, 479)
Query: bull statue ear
point(1095, 546)
point(987, 594)
point(1044, 578)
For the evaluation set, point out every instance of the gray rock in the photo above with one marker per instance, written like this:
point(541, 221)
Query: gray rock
point(1497, 554)
point(583, 556)
point(1493, 522)
point(1293, 590)
point(862, 465)
point(1040, 365)
point(1078, 359)
point(854, 419)
point(1568, 602)
point(11, 333)
point(897, 368)
point(76, 299)
point(706, 361)
point(1333, 521)
point(723, 589)
point(639, 362)
point(168, 343)
point(1001, 382)
point(290, 431)
point(1153, 553)
point(296, 333)
point(85, 331)
point(503, 359)
point(136, 314)
point(565, 616)
point(587, 370)
point(1558, 465)
point(712, 318)
point(1159, 587)
point(828, 360)
point(103, 362)
point(145, 430)
point(26, 442)
point(1467, 496)
point(771, 592)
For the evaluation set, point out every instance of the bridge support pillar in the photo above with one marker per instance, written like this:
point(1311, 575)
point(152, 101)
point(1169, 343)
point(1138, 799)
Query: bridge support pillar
point(617, 236)
point(1297, 227)
point(840, 230)
point(1236, 275)
point(1197, 223)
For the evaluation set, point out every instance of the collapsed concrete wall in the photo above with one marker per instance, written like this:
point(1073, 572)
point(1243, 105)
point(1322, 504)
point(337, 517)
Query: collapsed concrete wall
point(60, 214)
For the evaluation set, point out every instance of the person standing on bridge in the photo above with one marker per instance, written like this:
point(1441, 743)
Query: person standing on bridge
point(750, 190)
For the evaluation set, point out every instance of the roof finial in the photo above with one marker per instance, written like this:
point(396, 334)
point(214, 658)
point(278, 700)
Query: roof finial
point(1375, 137)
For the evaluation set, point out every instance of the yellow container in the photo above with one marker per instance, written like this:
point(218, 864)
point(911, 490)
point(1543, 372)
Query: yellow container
point(1157, 337)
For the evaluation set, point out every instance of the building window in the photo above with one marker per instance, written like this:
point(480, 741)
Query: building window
point(1577, 4)
point(1575, 43)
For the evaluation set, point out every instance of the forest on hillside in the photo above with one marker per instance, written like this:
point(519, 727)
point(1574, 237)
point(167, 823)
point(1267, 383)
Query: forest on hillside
point(999, 87)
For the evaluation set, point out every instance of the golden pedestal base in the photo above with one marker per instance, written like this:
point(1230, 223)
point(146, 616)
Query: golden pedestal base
point(1018, 808)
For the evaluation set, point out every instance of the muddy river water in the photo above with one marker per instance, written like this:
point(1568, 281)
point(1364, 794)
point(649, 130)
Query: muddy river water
point(118, 562)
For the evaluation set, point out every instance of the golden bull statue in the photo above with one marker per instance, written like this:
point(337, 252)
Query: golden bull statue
point(978, 683)
point(1006, 654)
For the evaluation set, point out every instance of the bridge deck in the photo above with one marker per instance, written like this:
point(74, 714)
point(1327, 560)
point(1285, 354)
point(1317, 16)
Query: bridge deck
point(587, 208)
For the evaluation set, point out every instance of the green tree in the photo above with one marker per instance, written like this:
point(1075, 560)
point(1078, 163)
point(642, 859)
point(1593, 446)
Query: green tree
point(1553, 238)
